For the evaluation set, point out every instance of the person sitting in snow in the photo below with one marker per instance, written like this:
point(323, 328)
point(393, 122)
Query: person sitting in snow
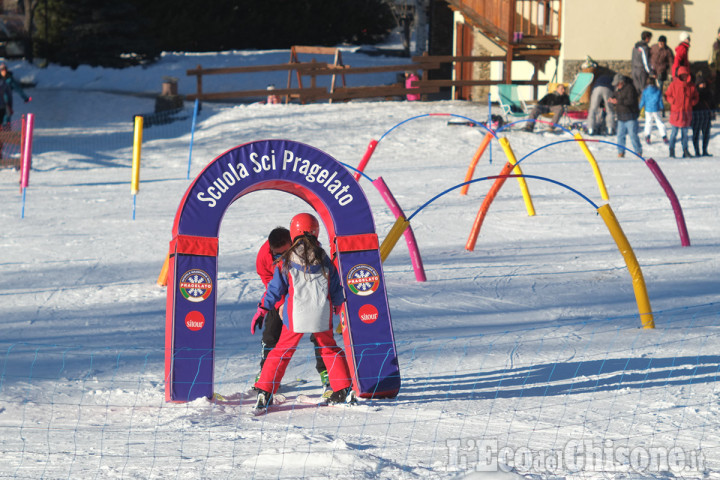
point(556, 102)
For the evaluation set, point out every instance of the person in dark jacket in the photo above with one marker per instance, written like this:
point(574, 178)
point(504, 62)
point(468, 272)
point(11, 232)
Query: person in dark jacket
point(661, 59)
point(625, 99)
point(556, 102)
point(602, 89)
point(702, 115)
point(715, 66)
point(641, 68)
point(8, 85)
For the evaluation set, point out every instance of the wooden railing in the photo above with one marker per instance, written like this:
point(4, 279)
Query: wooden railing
point(310, 92)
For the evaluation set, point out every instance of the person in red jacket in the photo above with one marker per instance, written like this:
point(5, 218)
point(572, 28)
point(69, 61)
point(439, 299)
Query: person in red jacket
point(681, 95)
point(268, 256)
point(681, 54)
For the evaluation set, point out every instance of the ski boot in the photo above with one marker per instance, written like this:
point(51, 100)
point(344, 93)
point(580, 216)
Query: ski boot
point(325, 380)
point(346, 395)
point(264, 399)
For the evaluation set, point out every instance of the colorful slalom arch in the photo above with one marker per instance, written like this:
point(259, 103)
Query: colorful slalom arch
point(333, 193)
point(577, 138)
point(608, 216)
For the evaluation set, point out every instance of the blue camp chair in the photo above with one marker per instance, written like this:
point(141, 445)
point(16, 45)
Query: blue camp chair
point(575, 112)
point(582, 82)
point(512, 107)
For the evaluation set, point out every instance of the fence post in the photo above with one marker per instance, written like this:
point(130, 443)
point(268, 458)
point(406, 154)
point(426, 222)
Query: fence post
point(199, 81)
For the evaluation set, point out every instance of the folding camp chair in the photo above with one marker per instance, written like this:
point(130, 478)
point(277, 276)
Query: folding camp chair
point(512, 107)
point(582, 82)
point(579, 87)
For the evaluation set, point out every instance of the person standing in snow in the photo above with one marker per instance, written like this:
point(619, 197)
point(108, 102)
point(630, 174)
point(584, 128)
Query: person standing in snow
point(625, 99)
point(311, 284)
point(681, 95)
point(8, 85)
point(702, 115)
point(661, 61)
point(641, 68)
point(681, 54)
point(411, 80)
point(652, 102)
point(277, 243)
point(715, 67)
point(602, 89)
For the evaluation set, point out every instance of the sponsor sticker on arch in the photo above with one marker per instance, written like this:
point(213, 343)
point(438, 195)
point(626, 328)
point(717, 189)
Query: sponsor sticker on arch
point(363, 280)
point(194, 321)
point(368, 313)
point(195, 285)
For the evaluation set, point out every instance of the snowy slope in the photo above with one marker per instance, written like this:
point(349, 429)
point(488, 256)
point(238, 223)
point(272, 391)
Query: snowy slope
point(528, 347)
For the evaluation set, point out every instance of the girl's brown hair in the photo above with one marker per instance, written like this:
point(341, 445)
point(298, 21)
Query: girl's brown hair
point(308, 251)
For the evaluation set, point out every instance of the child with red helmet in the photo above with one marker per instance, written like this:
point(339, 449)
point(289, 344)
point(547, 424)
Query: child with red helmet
point(277, 243)
point(311, 285)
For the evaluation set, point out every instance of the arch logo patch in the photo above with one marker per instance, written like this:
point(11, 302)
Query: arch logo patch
point(195, 285)
point(363, 280)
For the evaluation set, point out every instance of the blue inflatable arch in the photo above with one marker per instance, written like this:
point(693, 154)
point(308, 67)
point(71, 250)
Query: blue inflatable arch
point(335, 195)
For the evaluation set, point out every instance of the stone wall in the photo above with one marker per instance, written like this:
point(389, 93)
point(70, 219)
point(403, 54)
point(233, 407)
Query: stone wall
point(481, 71)
point(572, 67)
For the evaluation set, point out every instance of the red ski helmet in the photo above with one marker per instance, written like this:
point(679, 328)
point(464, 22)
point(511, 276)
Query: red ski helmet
point(304, 224)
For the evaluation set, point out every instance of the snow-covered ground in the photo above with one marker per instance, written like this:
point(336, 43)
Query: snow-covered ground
point(522, 357)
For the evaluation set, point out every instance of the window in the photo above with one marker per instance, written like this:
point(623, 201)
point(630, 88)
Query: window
point(660, 14)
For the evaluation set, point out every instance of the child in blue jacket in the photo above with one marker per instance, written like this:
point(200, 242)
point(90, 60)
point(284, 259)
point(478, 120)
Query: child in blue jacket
point(652, 102)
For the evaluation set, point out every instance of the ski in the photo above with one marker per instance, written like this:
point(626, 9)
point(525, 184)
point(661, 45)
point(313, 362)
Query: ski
point(312, 400)
point(239, 398)
point(234, 398)
point(321, 401)
point(466, 124)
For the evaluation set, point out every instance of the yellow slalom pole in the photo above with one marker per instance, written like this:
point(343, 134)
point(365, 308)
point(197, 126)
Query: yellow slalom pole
point(162, 278)
point(392, 237)
point(137, 144)
point(641, 296)
point(505, 144)
point(594, 165)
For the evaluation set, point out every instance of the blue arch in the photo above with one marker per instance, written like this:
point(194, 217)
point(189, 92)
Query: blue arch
point(333, 193)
